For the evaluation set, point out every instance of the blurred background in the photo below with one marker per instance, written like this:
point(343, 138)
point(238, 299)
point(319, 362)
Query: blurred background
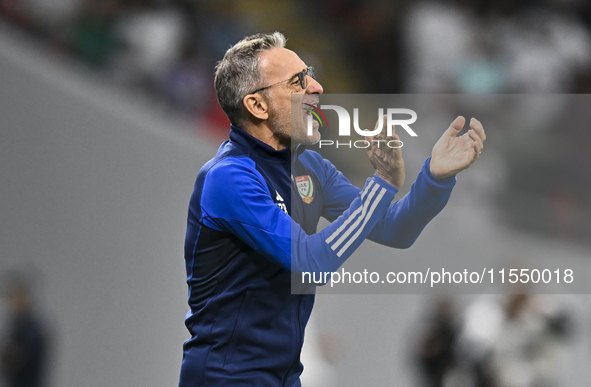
point(107, 111)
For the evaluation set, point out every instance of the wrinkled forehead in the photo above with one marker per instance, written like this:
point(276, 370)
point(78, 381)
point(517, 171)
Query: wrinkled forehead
point(279, 64)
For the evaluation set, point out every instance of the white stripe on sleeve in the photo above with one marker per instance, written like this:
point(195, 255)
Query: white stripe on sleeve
point(373, 207)
point(351, 216)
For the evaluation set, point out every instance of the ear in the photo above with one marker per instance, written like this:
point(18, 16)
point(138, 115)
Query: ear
point(256, 105)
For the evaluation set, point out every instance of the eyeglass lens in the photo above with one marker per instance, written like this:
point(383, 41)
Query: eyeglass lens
point(302, 76)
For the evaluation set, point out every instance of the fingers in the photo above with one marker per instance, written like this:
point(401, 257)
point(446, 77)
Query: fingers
point(478, 128)
point(385, 119)
point(386, 158)
point(380, 136)
point(381, 140)
point(383, 146)
point(478, 145)
point(455, 127)
point(478, 135)
point(384, 123)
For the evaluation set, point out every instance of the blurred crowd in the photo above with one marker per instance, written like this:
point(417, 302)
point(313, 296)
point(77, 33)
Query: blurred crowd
point(467, 46)
point(170, 47)
point(515, 340)
point(167, 49)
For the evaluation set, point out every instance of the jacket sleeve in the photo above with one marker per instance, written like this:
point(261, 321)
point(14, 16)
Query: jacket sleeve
point(406, 218)
point(235, 199)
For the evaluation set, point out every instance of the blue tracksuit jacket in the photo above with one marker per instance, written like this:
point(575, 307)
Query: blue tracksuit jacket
point(252, 218)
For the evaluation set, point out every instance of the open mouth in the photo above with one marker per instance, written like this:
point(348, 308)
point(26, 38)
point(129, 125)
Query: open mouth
point(311, 116)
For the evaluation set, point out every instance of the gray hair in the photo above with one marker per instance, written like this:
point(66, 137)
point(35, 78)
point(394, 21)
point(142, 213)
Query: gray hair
point(238, 72)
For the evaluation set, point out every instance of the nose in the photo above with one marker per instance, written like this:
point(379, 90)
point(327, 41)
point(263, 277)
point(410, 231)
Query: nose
point(314, 87)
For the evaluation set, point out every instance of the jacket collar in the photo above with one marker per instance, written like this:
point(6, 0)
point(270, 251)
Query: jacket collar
point(257, 148)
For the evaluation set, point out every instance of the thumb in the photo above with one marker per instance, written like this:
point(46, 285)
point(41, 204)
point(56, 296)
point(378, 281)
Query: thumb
point(456, 127)
point(393, 129)
point(369, 139)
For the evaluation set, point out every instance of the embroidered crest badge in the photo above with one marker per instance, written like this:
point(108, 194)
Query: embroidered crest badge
point(305, 188)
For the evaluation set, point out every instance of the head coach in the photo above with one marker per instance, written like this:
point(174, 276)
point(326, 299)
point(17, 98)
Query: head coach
point(249, 228)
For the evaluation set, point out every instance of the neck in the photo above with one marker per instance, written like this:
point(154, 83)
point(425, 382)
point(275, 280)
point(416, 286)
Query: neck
point(265, 134)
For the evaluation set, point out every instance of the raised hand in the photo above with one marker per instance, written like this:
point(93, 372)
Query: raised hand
point(387, 161)
point(452, 154)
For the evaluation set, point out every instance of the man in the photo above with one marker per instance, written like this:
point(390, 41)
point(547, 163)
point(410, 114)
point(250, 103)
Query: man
point(248, 229)
point(23, 355)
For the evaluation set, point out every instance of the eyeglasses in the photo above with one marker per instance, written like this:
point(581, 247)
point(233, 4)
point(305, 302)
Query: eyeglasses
point(301, 77)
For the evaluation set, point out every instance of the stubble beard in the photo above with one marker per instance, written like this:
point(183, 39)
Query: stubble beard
point(299, 131)
point(293, 130)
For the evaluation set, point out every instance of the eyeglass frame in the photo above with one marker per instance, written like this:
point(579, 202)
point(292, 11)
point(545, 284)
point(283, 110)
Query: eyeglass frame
point(301, 77)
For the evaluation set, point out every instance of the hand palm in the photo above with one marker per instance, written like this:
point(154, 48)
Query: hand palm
point(452, 154)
